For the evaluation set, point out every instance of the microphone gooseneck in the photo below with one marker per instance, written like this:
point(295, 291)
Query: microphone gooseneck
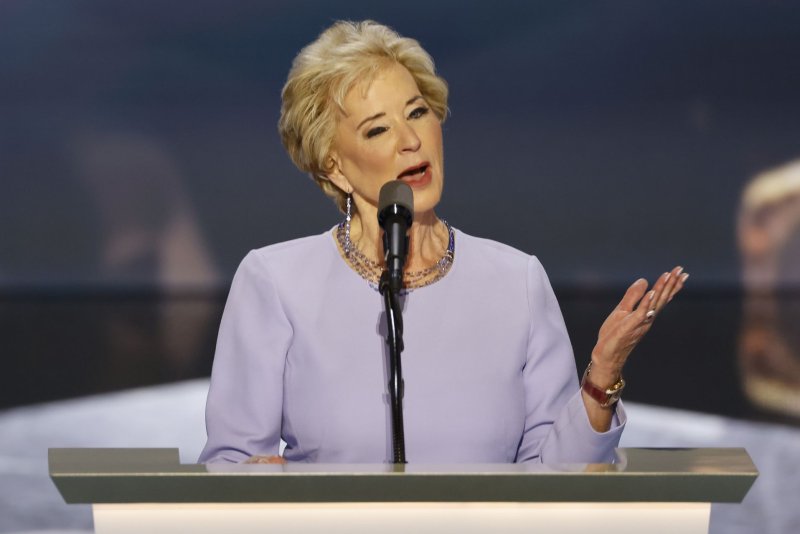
point(395, 209)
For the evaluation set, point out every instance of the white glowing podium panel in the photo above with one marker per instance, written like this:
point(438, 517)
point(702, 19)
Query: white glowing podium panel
point(646, 490)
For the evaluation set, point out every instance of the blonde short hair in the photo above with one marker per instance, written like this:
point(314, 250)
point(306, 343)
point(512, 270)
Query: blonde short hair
point(321, 76)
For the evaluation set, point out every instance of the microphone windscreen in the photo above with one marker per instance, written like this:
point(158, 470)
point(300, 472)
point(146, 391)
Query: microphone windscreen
point(396, 192)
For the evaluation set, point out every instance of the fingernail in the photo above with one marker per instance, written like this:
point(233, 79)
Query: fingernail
point(652, 295)
point(666, 276)
point(680, 270)
point(684, 277)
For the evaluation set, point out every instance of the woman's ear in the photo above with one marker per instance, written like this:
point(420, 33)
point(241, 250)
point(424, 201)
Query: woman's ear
point(335, 175)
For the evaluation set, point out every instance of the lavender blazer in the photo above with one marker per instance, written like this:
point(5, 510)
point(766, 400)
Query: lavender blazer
point(488, 366)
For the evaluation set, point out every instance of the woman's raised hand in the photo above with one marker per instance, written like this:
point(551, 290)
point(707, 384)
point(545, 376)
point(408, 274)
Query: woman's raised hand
point(629, 322)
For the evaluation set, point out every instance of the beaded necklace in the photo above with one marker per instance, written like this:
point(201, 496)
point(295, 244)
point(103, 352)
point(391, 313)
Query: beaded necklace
point(371, 270)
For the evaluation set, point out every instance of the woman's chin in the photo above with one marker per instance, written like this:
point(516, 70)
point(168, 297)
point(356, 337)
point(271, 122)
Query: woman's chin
point(426, 198)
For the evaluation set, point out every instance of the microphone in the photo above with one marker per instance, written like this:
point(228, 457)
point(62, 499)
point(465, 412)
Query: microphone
point(395, 214)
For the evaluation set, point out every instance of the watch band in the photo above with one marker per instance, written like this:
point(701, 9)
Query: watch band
point(604, 397)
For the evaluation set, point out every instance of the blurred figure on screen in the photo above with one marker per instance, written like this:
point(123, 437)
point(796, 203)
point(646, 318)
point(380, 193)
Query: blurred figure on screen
point(148, 223)
point(769, 241)
point(149, 231)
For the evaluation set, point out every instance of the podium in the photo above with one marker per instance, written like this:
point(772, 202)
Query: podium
point(646, 490)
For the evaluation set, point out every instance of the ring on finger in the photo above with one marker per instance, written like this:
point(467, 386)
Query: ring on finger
point(649, 315)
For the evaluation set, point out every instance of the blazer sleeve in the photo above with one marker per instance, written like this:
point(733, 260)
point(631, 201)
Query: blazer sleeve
point(557, 428)
point(245, 398)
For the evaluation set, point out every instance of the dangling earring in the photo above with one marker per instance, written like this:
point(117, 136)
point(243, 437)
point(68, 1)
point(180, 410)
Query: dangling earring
point(347, 217)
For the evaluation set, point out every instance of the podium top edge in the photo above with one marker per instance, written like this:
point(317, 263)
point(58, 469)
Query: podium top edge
point(630, 461)
point(639, 475)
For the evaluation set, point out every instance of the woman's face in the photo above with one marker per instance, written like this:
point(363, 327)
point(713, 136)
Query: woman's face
point(388, 132)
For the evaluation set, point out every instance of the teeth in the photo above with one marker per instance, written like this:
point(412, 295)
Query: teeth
point(418, 170)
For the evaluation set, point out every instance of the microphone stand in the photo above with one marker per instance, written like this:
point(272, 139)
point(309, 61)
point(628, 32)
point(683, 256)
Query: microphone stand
point(394, 339)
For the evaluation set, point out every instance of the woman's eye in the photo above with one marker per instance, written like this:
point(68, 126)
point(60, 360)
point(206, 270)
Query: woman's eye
point(418, 112)
point(372, 132)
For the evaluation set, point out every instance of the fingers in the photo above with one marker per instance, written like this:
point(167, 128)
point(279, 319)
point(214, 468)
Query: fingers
point(666, 287)
point(673, 283)
point(681, 280)
point(633, 295)
point(646, 312)
point(265, 460)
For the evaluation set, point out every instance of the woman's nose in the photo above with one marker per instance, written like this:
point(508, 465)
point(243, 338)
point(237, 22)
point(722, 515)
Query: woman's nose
point(409, 140)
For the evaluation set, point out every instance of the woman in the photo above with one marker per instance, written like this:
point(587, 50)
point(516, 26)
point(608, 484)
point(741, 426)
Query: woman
point(489, 371)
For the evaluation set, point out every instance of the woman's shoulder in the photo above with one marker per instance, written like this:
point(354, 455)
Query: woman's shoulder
point(490, 245)
point(482, 250)
point(289, 256)
point(318, 243)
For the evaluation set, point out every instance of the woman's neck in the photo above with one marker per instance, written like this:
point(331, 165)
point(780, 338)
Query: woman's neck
point(428, 239)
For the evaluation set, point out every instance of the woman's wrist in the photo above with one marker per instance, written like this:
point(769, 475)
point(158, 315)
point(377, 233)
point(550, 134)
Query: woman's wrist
point(605, 396)
point(604, 375)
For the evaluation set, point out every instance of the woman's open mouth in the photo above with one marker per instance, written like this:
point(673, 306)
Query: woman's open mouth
point(416, 176)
